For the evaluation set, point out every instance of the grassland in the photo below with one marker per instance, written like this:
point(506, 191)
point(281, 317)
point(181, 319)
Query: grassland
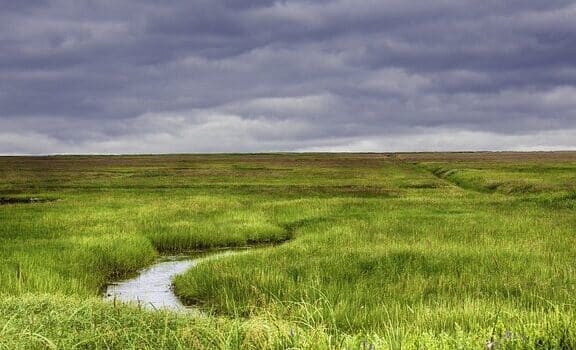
point(383, 250)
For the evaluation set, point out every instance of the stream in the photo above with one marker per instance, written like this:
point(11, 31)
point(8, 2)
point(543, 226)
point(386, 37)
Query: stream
point(152, 287)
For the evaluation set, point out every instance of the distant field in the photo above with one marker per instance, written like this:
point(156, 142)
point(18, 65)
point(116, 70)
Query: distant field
point(406, 250)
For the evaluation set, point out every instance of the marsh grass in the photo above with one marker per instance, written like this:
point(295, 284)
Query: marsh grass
point(57, 322)
point(411, 251)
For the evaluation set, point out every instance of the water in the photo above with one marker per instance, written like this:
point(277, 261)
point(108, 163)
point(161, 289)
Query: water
point(152, 288)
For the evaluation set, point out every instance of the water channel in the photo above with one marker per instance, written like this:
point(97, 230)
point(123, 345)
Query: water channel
point(152, 287)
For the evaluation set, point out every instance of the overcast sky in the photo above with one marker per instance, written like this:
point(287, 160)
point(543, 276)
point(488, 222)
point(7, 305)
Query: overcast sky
point(147, 76)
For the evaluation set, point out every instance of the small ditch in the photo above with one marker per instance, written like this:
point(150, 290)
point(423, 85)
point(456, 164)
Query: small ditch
point(24, 200)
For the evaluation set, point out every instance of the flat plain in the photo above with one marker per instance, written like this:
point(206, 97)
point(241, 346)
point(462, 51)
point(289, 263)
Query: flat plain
point(359, 251)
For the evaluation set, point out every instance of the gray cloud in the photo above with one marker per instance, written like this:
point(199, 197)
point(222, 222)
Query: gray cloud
point(223, 75)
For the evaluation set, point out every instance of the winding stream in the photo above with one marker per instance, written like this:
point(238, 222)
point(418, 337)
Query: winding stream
point(152, 288)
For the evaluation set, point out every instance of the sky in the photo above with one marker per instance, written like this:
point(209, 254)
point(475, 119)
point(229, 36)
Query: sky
point(196, 76)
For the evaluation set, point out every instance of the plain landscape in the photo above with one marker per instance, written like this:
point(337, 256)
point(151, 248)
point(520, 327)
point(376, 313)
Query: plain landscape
point(357, 251)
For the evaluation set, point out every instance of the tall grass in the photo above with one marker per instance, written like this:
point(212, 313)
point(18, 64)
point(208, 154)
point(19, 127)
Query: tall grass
point(55, 322)
point(375, 250)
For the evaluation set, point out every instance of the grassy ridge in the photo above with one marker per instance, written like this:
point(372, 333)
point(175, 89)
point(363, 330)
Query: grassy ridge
point(79, 243)
point(401, 248)
point(381, 267)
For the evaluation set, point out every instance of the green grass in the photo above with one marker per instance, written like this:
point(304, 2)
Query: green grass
point(403, 251)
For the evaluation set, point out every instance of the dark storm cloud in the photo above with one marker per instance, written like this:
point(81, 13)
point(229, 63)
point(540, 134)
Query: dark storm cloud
point(209, 75)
